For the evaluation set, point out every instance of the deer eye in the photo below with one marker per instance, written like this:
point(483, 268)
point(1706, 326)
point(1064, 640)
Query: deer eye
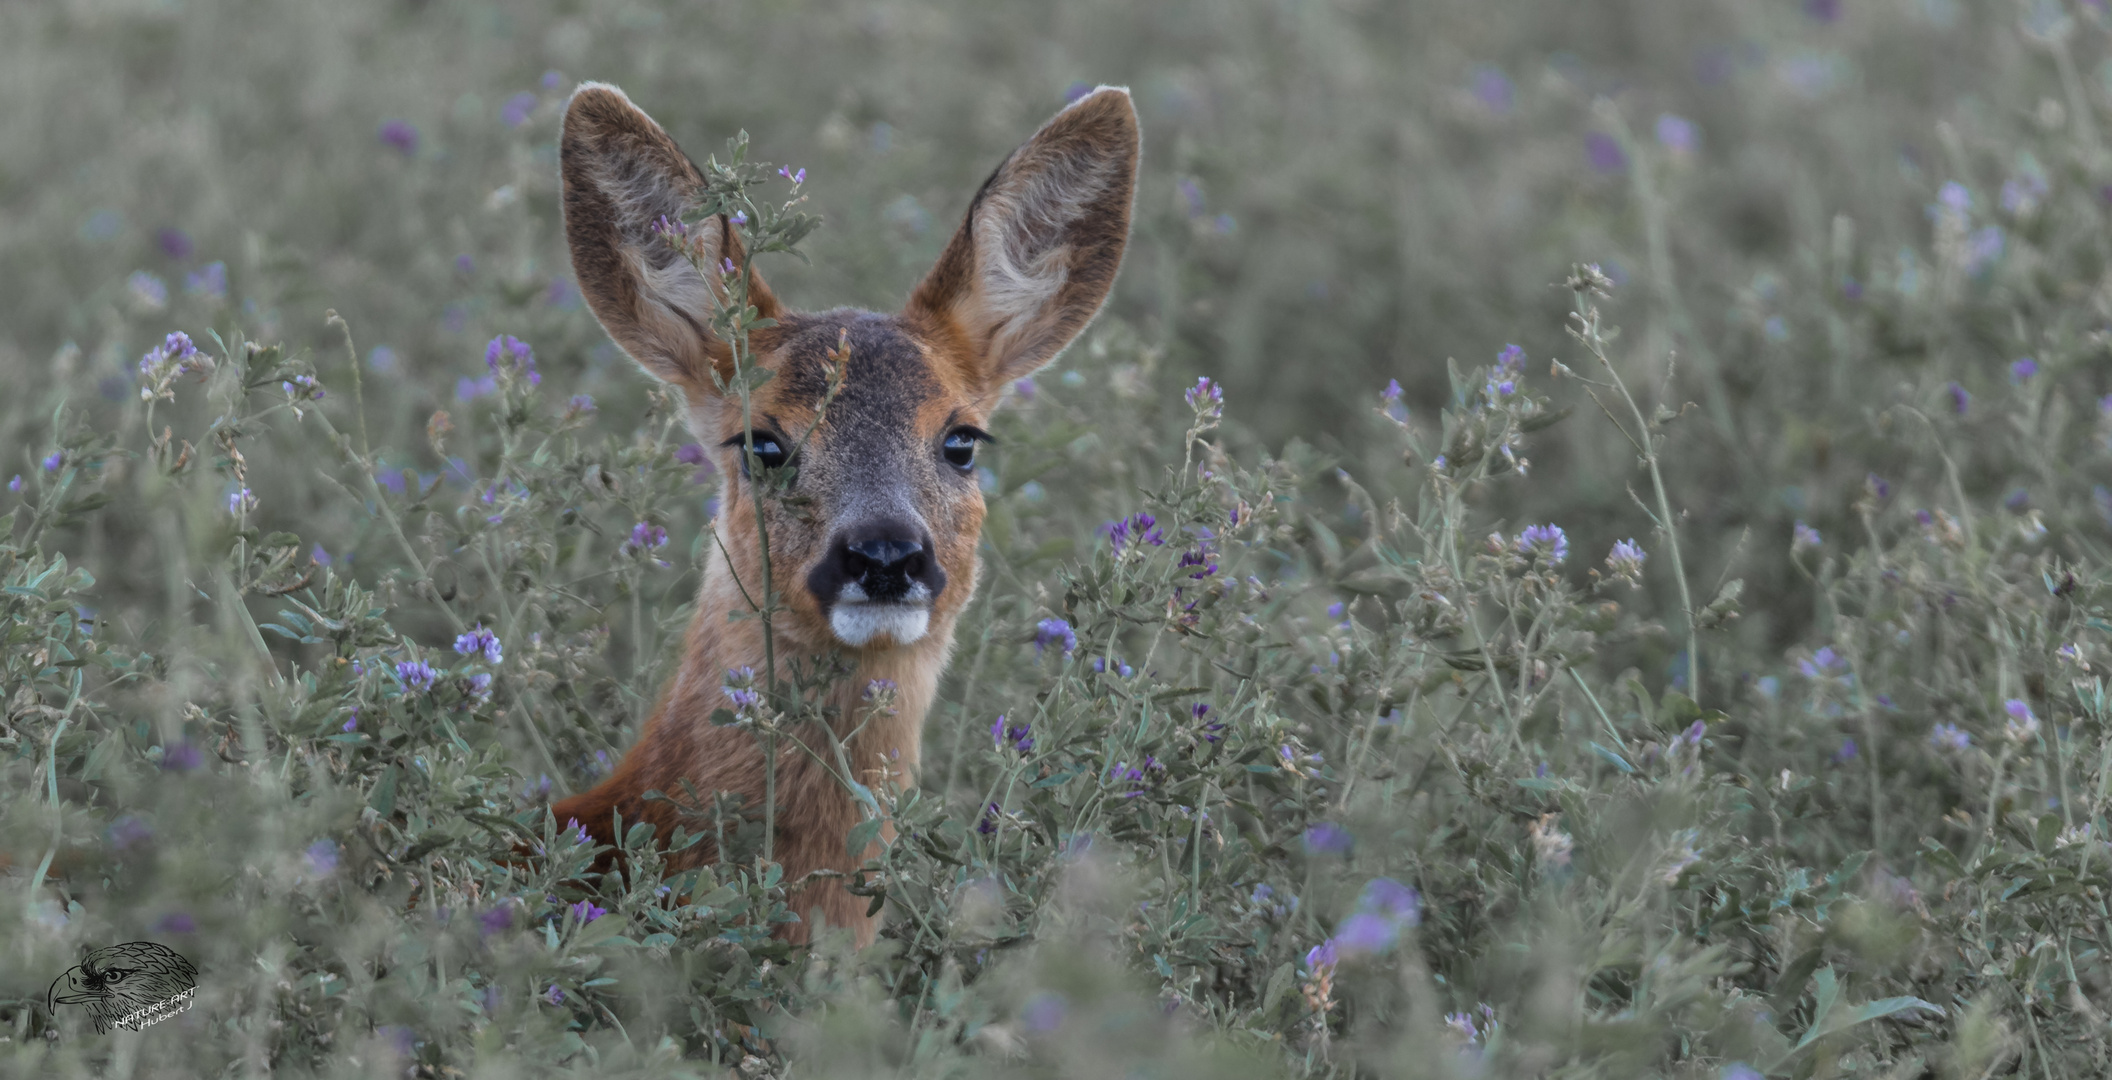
point(959, 447)
point(769, 449)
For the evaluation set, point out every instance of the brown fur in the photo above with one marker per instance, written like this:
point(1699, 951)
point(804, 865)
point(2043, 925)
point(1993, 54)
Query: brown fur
point(1030, 265)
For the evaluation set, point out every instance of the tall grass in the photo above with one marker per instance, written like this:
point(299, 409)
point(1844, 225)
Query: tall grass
point(1718, 698)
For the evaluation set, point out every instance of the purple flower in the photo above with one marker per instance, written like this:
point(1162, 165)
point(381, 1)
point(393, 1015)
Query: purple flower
point(1326, 838)
point(148, 291)
point(797, 177)
point(1547, 543)
point(1365, 933)
point(513, 352)
point(1493, 89)
point(1025, 388)
point(2022, 368)
point(517, 109)
point(1398, 903)
point(1846, 753)
point(690, 454)
point(399, 134)
point(1020, 736)
point(468, 389)
point(417, 675)
point(1803, 537)
point(2022, 194)
point(173, 242)
point(1955, 197)
point(586, 911)
point(1604, 153)
point(1049, 632)
point(552, 79)
point(1739, 1070)
point(15, 485)
point(1982, 248)
point(645, 537)
point(1510, 363)
point(1206, 398)
point(128, 830)
point(496, 920)
point(1626, 559)
point(987, 824)
point(1694, 733)
point(181, 757)
point(1135, 529)
point(1322, 956)
point(1675, 133)
point(1879, 486)
point(580, 405)
point(52, 462)
point(1949, 737)
point(554, 995)
point(742, 699)
point(322, 857)
point(480, 686)
point(480, 640)
point(1043, 1012)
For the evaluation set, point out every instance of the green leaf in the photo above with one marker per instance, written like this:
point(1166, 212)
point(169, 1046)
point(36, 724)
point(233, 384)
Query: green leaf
point(598, 931)
point(1280, 982)
point(384, 798)
point(862, 836)
point(1615, 759)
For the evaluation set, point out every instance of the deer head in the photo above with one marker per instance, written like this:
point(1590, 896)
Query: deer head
point(878, 551)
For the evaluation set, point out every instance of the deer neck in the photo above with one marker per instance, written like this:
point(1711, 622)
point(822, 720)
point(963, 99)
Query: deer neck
point(878, 746)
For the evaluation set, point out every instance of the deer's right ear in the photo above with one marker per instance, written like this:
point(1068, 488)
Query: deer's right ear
point(622, 174)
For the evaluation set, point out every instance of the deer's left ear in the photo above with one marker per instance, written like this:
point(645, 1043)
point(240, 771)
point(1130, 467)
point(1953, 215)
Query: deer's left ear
point(1038, 252)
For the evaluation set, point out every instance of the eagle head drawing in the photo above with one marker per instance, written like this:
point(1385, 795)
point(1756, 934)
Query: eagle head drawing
point(120, 980)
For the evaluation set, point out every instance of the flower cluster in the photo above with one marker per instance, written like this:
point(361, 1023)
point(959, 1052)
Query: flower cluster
point(1626, 561)
point(1207, 399)
point(1950, 737)
point(1384, 910)
point(511, 354)
point(301, 388)
point(1803, 538)
point(741, 693)
point(1503, 381)
point(1547, 543)
point(480, 641)
point(417, 676)
point(1210, 730)
point(1136, 777)
point(174, 358)
point(645, 537)
point(2022, 724)
point(1133, 530)
point(1049, 632)
point(1019, 736)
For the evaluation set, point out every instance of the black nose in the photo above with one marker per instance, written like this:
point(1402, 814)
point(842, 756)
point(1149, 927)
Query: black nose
point(886, 560)
point(882, 554)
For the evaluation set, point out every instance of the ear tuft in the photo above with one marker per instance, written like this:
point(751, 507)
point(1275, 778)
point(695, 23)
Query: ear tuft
point(622, 173)
point(1038, 252)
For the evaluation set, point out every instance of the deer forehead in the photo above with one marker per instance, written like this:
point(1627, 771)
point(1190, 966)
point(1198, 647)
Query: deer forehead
point(901, 393)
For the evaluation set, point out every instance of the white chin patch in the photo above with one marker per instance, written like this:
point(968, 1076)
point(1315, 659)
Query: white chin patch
point(859, 623)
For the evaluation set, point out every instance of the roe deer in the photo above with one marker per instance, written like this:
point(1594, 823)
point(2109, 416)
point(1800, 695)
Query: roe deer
point(880, 559)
